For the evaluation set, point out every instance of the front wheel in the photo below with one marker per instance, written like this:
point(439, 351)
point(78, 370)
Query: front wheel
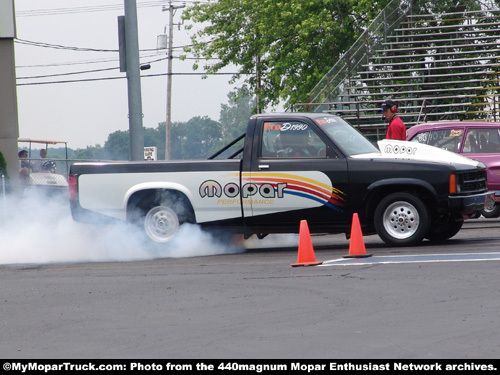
point(402, 219)
point(491, 213)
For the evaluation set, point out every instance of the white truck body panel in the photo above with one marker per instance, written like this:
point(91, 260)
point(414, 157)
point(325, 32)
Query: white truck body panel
point(214, 195)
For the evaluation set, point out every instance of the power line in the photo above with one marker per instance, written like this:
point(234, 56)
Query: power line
point(84, 9)
point(86, 71)
point(84, 49)
point(58, 46)
point(79, 62)
point(101, 61)
point(69, 73)
point(114, 78)
point(86, 62)
point(97, 8)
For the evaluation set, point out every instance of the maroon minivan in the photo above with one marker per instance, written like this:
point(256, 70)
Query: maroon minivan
point(474, 139)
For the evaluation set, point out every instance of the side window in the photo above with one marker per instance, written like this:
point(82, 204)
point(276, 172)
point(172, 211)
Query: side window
point(493, 140)
point(471, 144)
point(482, 141)
point(291, 140)
point(421, 138)
point(447, 139)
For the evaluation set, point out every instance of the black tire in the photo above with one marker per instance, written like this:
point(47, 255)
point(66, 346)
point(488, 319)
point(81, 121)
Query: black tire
point(444, 228)
point(402, 219)
point(491, 213)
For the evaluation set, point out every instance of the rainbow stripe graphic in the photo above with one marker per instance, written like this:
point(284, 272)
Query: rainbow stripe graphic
point(301, 186)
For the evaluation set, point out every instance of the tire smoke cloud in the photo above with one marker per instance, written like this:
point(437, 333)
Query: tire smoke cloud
point(38, 229)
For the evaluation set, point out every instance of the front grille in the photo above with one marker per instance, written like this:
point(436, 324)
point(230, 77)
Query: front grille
point(472, 181)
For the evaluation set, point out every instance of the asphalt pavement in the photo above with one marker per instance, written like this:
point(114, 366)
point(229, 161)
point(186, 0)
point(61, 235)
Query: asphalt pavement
point(255, 305)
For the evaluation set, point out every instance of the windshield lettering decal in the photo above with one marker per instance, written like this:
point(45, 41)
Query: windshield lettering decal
point(285, 126)
point(325, 120)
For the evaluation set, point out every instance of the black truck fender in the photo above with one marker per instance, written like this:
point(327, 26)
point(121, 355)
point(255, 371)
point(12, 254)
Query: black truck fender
point(382, 188)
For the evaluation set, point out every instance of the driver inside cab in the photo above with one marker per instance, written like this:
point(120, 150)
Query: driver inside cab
point(295, 143)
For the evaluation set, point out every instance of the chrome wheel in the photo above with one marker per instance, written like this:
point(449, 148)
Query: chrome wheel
point(161, 224)
point(401, 220)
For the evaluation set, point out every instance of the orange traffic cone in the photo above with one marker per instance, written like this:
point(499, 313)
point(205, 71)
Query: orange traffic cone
point(356, 245)
point(306, 251)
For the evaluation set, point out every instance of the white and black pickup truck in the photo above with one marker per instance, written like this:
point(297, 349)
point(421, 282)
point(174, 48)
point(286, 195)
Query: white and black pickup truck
point(291, 167)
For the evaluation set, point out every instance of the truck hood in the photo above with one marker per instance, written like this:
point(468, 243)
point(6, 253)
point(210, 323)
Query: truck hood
point(403, 150)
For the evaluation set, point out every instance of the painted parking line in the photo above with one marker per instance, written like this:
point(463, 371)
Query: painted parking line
point(430, 258)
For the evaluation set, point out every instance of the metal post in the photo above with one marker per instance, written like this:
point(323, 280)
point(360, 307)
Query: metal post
point(257, 84)
point(4, 199)
point(494, 109)
point(134, 82)
point(9, 129)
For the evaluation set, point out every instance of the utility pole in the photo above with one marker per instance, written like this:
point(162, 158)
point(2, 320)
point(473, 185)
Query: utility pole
point(129, 62)
point(171, 8)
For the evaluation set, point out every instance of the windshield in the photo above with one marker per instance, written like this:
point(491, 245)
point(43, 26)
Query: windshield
point(348, 139)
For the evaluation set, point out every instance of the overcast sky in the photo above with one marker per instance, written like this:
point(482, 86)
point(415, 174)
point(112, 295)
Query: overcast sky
point(84, 113)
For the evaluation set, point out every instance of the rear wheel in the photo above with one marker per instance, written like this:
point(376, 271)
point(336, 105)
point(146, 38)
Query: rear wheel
point(402, 219)
point(161, 214)
point(161, 224)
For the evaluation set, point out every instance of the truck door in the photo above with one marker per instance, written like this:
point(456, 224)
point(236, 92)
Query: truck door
point(295, 174)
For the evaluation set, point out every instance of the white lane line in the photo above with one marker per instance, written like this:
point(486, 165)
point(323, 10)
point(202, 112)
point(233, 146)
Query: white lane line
point(424, 258)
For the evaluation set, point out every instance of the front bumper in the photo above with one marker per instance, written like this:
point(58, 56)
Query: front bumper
point(497, 196)
point(471, 203)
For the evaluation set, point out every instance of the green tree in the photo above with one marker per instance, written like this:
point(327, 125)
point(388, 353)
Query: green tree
point(196, 139)
point(234, 115)
point(90, 153)
point(117, 146)
point(3, 167)
point(281, 48)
